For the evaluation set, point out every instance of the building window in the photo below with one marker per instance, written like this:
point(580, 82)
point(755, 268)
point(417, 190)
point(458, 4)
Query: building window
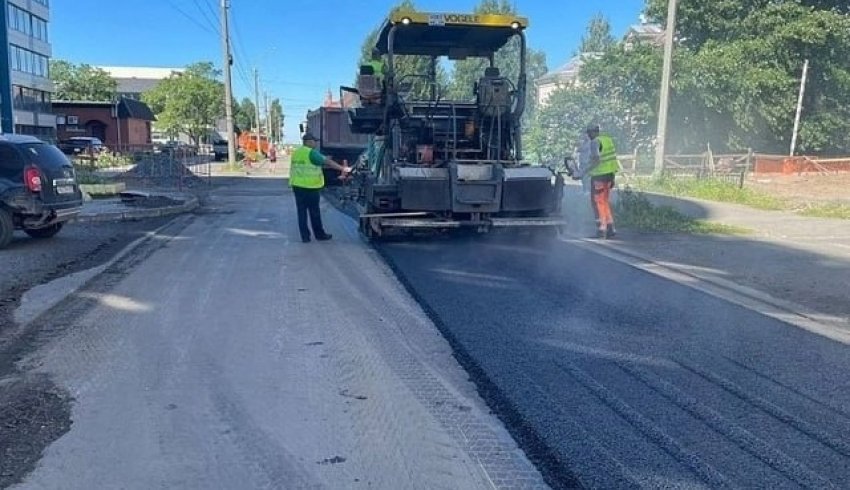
point(45, 133)
point(28, 61)
point(23, 21)
point(31, 100)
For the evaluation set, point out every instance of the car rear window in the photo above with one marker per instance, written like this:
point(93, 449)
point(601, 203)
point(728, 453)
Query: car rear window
point(10, 161)
point(46, 156)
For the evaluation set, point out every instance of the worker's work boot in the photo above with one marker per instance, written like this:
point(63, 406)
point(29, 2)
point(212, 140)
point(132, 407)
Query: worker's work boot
point(610, 232)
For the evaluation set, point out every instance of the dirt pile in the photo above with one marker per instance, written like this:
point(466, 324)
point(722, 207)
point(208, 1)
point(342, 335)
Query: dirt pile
point(162, 171)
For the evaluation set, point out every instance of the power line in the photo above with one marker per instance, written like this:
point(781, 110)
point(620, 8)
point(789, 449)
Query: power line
point(241, 58)
point(192, 19)
point(205, 16)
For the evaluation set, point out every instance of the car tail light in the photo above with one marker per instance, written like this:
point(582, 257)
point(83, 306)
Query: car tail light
point(32, 179)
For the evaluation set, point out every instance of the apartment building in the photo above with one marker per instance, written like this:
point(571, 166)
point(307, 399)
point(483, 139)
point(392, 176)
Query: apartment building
point(28, 77)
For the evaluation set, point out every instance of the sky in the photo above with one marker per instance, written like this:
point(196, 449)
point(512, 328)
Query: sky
point(301, 48)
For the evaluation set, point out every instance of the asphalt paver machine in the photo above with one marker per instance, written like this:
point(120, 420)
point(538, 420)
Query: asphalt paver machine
point(435, 163)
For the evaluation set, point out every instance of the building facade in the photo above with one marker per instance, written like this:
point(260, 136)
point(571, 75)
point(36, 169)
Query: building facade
point(566, 75)
point(121, 125)
point(29, 52)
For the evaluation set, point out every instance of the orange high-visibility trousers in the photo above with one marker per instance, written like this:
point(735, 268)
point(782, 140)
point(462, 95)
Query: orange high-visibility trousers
point(602, 185)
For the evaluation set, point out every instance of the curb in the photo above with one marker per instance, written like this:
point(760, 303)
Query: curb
point(752, 299)
point(190, 205)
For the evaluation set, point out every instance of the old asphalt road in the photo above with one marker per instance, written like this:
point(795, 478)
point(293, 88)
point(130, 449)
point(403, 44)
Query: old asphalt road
point(224, 353)
point(614, 378)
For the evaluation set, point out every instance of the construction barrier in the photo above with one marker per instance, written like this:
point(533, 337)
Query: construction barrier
point(767, 164)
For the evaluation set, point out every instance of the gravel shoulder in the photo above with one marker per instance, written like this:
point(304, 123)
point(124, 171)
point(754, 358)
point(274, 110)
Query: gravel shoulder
point(261, 362)
point(34, 411)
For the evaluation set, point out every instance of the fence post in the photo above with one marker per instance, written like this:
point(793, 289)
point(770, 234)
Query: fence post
point(634, 161)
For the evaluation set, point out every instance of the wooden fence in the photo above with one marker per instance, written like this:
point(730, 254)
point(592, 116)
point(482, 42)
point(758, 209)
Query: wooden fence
point(734, 167)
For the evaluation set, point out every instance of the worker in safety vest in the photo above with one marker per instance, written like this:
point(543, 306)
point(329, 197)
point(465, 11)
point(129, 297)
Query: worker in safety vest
point(602, 169)
point(307, 180)
point(377, 65)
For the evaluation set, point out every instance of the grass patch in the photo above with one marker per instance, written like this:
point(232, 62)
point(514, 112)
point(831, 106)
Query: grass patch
point(836, 210)
point(634, 211)
point(712, 190)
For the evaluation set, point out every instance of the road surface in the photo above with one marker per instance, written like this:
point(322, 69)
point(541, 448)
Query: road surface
point(614, 378)
point(224, 353)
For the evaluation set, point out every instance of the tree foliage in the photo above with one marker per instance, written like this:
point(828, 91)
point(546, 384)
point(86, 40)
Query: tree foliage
point(598, 37)
point(81, 82)
point(275, 117)
point(188, 102)
point(245, 114)
point(557, 125)
point(736, 77)
point(467, 72)
point(408, 69)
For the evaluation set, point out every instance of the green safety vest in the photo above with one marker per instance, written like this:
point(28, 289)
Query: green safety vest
point(302, 172)
point(378, 68)
point(608, 163)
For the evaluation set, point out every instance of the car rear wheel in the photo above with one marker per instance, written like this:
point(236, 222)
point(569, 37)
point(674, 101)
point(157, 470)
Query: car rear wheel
point(46, 232)
point(7, 227)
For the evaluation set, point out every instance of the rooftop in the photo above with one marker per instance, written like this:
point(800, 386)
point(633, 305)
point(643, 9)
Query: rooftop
point(570, 69)
point(135, 85)
point(143, 72)
point(127, 108)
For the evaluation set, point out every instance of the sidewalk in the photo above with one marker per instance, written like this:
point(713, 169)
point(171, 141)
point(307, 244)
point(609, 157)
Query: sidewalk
point(800, 263)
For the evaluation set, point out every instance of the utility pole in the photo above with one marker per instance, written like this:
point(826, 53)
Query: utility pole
point(661, 137)
point(269, 128)
point(228, 87)
point(799, 107)
point(257, 100)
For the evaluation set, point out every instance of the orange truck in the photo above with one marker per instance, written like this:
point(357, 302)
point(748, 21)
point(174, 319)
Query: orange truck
point(248, 143)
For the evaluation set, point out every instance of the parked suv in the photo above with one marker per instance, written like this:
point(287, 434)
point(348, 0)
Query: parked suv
point(38, 188)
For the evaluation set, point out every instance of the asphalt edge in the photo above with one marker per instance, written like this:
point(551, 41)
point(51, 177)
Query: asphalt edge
point(189, 205)
point(752, 299)
point(527, 439)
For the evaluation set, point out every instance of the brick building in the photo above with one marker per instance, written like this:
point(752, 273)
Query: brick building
point(118, 125)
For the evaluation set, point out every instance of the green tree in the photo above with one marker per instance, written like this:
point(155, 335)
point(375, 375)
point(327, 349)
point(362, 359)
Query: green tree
point(737, 74)
point(629, 81)
point(467, 72)
point(598, 37)
point(276, 117)
point(245, 113)
point(406, 67)
point(698, 21)
point(81, 82)
point(557, 126)
point(188, 102)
